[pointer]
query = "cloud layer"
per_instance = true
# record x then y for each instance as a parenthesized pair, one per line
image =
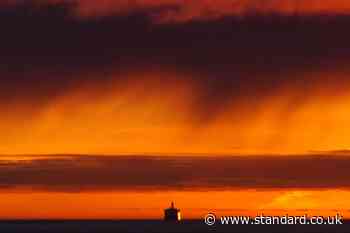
(225, 57)
(70, 83)
(181, 11)
(96, 173)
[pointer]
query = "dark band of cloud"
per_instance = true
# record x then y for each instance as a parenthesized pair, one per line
(96, 173)
(181, 11)
(229, 58)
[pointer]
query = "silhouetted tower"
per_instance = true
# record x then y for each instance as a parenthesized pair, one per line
(172, 213)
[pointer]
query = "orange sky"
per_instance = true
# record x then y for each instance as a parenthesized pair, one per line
(42, 194)
(141, 205)
(172, 96)
(288, 107)
(158, 117)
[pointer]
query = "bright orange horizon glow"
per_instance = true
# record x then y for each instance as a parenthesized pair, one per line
(150, 205)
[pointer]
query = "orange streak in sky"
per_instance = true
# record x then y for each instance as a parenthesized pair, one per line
(159, 117)
(150, 205)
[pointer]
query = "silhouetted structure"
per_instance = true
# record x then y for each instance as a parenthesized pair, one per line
(172, 214)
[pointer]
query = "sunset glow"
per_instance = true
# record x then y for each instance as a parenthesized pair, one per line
(131, 205)
(112, 109)
(159, 117)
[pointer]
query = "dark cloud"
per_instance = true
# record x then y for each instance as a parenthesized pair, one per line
(180, 11)
(46, 51)
(96, 173)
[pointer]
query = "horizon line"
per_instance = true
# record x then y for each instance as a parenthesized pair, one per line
(343, 152)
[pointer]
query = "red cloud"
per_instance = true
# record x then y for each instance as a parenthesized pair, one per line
(184, 10)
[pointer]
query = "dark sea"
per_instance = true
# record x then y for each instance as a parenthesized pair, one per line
(154, 226)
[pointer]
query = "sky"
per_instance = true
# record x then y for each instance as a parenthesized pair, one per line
(132, 100)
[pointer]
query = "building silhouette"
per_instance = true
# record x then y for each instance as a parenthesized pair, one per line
(172, 213)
